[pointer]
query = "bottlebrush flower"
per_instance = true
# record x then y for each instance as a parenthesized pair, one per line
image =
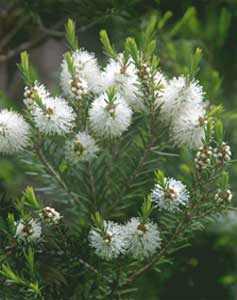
(110, 243)
(53, 116)
(188, 128)
(142, 239)
(88, 74)
(124, 78)
(81, 148)
(222, 153)
(170, 197)
(14, 132)
(28, 231)
(110, 118)
(223, 197)
(50, 215)
(29, 94)
(178, 94)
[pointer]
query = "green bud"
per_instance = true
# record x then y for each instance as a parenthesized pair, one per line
(109, 50)
(71, 35)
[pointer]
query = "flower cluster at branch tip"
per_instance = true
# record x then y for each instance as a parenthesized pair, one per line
(137, 238)
(223, 197)
(54, 117)
(222, 153)
(81, 148)
(184, 108)
(143, 239)
(170, 197)
(88, 75)
(30, 93)
(50, 216)
(110, 118)
(30, 231)
(203, 157)
(109, 243)
(14, 132)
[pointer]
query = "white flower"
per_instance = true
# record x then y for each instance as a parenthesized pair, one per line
(81, 148)
(110, 119)
(143, 239)
(88, 75)
(170, 197)
(203, 157)
(29, 94)
(28, 232)
(188, 128)
(223, 197)
(14, 132)
(124, 78)
(222, 153)
(54, 117)
(50, 215)
(177, 94)
(110, 243)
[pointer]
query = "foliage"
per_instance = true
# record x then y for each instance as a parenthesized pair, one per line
(115, 184)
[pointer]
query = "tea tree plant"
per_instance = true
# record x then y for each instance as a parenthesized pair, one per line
(100, 152)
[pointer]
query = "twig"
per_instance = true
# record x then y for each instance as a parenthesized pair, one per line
(94, 270)
(54, 173)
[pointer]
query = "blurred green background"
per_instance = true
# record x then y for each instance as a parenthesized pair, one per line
(208, 269)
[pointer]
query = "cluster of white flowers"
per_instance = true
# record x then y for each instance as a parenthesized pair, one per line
(30, 93)
(124, 77)
(110, 242)
(170, 197)
(142, 239)
(137, 238)
(14, 132)
(54, 117)
(31, 231)
(88, 75)
(223, 197)
(203, 157)
(222, 153)
(184, 109)
(110, 119)
(81, 148)
(206, 154)
(180, 100)
(50, 215)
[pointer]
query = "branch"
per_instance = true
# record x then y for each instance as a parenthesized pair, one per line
(54, 173)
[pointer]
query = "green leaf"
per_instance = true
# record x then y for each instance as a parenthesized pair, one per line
(160, 176)
(70, 64)
(195, 61)
(11, 275)
(71, 35)
(30, 259)
(107, 45)
(133, 50)
(30, 198)
(164, 19)
(224, 180)
(219, 131)
(189, 14)
(26, 70)
(98, 220)
(147, 208)
(208, 130)
(216, 110)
